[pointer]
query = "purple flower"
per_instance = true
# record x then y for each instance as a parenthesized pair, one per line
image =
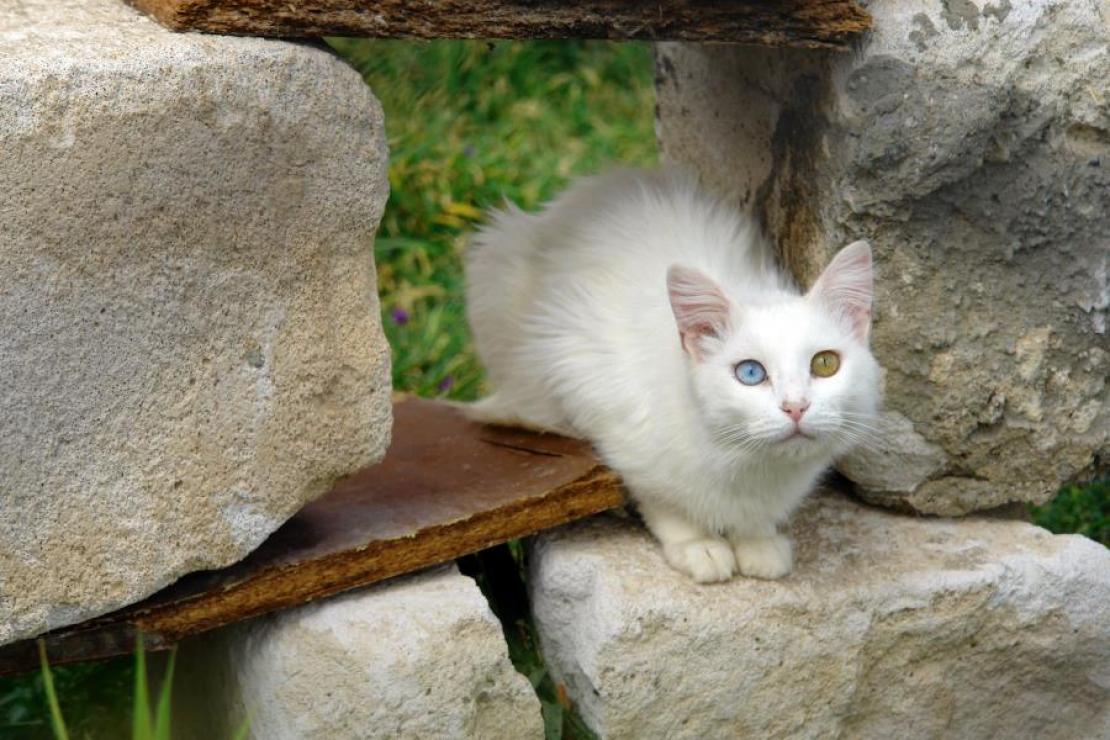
(446, 384)
(400, 316)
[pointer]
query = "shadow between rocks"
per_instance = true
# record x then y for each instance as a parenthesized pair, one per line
(501, 574)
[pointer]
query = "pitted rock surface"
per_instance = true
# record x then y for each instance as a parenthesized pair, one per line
(190, 346)
(889, 626)
(970, 144)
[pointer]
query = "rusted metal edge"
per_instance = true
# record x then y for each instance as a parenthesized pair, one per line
(826, 24)
(277, 588)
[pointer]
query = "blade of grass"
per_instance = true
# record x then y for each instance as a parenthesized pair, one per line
(241, 733)
(57, 721)
(140, 712)
(162, 714)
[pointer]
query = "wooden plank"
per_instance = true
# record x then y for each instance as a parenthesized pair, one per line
(832, 24)
(446, 488)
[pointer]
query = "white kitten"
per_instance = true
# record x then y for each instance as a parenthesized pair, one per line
(638, 313)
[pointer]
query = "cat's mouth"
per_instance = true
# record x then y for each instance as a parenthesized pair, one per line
(796, 434)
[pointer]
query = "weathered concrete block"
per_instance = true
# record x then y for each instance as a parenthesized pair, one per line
(889, 626)
(190, 346)
(419, 657)
(971, 147)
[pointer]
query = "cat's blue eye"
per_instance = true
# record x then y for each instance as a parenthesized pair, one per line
(750, 372)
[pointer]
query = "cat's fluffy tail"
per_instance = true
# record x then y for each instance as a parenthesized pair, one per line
(493, 409)
(500, 285)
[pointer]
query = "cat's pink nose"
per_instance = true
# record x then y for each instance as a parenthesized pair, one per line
(795, 409)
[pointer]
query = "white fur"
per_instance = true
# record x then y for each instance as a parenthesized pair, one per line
(572, 317)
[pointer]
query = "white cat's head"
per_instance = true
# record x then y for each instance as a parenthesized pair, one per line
(783, 374)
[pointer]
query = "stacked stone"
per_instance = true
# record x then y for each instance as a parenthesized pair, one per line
(417, 657)
(970, 146)
(190, 345)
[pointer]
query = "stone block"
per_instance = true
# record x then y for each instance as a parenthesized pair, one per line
(971, 146)
(890, 626)
(191, 346)
(418, 657)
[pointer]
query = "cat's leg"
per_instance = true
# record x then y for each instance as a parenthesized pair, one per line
(763, 552)
(688, 548)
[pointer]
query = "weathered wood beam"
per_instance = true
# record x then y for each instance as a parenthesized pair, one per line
(806, 23)
(446, 488)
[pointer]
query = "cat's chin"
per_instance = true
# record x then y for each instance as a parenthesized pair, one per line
(799, 444)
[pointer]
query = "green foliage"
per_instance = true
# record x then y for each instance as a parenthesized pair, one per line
(95, 697)
(145, 725)
(140, 708)
(57, 723)
(1078, 509)
(470, 124)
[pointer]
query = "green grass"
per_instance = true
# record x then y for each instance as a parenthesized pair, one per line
(95, 699)
(57, 721)
(1081, 510)
(470, 124)
(147, 722)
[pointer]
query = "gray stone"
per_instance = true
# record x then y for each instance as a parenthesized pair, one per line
(418, 657)
(191, 346)
(897, 460)
(890, 626)
(971, 147)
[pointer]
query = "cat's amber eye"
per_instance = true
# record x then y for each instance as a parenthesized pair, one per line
(824, 364)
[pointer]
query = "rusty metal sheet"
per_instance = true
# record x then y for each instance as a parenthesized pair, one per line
(827, 24)
(446, 488)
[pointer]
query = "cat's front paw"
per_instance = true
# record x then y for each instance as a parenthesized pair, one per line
(766, 557)
(706, 560)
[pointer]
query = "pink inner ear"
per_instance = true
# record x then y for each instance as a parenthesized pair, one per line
(846, 287)
(699, 305)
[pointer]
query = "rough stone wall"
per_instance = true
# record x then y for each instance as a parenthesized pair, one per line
(970, 144)
(190, 346)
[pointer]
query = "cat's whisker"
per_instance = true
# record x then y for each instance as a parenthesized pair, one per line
(861, 426)
(741, 440)
(860, 437)
(863, 423)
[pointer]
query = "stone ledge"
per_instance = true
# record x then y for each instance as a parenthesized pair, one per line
(889, 627)
(418, 657)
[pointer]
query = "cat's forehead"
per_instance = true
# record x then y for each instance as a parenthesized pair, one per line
(793, 324)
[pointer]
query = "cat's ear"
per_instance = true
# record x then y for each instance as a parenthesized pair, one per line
(846, 287)
(700, 307)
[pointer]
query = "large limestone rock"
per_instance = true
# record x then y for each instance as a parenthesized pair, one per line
(416, 658)
(890, 626)
(189, 337)
(970, 144)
